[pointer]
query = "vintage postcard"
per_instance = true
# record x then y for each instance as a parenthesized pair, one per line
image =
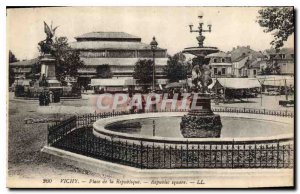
(150, 97)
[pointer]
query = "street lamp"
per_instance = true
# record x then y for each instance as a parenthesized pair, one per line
(153, 45)
(200, 30)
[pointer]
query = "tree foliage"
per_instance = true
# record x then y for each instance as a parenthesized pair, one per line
(143, 72)
(271, 69)
(35, 71)
(280, 21)
(67, 59)
(177, 68)
(11, 76)
(11, 57)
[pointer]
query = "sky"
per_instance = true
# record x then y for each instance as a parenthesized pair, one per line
(231, 26)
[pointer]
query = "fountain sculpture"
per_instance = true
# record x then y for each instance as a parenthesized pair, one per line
(201, 122)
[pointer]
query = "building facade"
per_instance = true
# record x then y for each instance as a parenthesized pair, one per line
(220, 64)
(284, 58)
(117, 50)
(246, 62)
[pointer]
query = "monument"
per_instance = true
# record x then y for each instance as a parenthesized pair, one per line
(201, 122)
(48, 62)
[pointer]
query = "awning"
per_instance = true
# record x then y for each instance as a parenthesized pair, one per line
(162, 81)
(276, 80)
(278, 83)
(22, 82)
(238, 83)
(120, 61)
(176, 85)
(113, 82)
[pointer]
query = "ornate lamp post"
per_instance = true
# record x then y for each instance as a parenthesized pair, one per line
(200, 30)
(153, 45)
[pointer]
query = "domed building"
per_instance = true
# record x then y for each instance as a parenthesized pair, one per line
(115, 52)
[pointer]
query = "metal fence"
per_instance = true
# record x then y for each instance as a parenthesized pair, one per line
(282, 113)
(60, 130)
(75, 135)
(87, 119)
(152, 155)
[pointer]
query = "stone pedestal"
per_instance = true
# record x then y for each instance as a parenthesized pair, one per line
(48, 69)
(201, 122)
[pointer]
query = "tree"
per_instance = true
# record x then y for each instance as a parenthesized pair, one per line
(143, 72)
(67, 59)
(177, 68)
(11, 59)
(271, 69)
(104, 71)
(11, 78)
(279, 20)
(35, 71)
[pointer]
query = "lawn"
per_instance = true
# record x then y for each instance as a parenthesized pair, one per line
(25, 141)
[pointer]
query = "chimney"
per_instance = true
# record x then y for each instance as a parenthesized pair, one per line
(248, 47)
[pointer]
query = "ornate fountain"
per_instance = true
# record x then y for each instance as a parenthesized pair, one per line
(201, 122)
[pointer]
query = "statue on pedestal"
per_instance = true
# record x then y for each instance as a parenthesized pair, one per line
(46, 46)
(48, 61)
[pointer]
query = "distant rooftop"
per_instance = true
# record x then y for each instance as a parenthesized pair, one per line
(110, 45)
(281, 51)
(108, 36)
(218, 54)
(29, 62)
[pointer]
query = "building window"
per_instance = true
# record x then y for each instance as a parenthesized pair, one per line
(223, 71)
(254, 72)
(215, 71)
(215, 60)
(282, 56)
(223, 60)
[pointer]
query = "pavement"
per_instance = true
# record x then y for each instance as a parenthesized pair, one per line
(25, 141)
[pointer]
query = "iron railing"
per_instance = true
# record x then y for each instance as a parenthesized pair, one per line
(75, 135)
(151, 155)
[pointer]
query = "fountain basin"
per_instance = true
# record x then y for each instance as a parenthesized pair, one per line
(286, 124)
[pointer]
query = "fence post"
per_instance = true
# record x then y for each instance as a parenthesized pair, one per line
(141, 149)
(277, 153)
(232, 154)
(153, 150)
(187, 153)
(289, 155)
(164, 156)
(170, 156)
(112, 147)
(204, 155)
(147, 154)
(48, 140)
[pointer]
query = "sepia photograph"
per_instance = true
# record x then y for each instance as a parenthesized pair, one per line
(150, 97)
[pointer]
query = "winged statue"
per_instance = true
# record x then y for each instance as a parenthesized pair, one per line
(46, 46)
(50, 32)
